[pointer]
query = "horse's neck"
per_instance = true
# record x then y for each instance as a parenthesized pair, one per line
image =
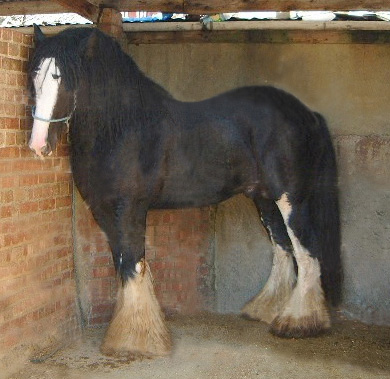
(100, 116)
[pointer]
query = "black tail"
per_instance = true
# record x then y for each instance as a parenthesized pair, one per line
(324, 209)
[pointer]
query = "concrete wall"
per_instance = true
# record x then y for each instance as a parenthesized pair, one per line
(349, 85)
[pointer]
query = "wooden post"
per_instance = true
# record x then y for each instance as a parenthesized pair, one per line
(110, 22)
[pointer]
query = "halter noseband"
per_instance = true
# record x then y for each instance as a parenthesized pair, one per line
(63, 119)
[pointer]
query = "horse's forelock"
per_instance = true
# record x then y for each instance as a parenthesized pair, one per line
(67, 48)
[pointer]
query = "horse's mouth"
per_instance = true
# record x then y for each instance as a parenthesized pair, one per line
(45, 151)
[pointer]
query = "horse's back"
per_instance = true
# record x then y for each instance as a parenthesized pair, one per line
(251, 139)
(248, 139)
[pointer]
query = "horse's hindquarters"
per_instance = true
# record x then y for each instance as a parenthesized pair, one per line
(137, 327)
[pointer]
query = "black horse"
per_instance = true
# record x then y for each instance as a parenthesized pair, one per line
(135, 148)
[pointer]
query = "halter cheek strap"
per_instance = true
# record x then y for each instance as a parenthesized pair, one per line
(63, 119)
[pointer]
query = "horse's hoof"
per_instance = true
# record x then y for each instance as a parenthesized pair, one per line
(260, 309)
(134, 353)
(263, 308)
(137, 328)
(249, 317)
(308, 326)
(135, 345)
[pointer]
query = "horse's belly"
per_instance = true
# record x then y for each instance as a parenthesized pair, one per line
(187, 202)
(186, 193)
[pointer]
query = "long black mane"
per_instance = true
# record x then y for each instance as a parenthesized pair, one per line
(116, 93)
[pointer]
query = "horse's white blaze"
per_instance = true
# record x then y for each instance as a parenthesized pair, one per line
(46, 83)
(307, 298)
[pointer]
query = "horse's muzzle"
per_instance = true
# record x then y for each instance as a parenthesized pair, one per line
(41, 152)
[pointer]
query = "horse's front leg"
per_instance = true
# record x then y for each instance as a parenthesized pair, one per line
(137, 327)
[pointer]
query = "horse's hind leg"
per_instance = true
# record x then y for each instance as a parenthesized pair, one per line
(137, 327)
(305, 313)
(268, 304)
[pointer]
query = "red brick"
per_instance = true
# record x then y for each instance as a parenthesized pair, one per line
(63, 177)
(47, 204)
(6, 35)
(27, 39)
(3, 77)
(103, 272)
(9, 152)
(10, 138)
(9, 109)
(47, 177)
(3, 48)
(29, 207)
(24, 52)
(28, 180)
(63, 202)
(17, 37)
(101, 261)
(7, 211)
(11, 64)
(21, 81)
(9, 123)
(13, 50)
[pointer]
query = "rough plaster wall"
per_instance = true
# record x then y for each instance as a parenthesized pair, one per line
(364, 162)
(349, 85)
(243, 255)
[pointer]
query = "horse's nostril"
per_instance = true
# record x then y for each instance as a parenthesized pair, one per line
(46, 150)
(39, 151)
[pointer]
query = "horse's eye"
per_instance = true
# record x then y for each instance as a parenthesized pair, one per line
(55, 76)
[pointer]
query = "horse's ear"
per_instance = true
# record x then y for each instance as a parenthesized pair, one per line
(38, 34)
(90, 48)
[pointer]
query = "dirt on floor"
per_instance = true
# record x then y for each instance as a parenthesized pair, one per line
(227, 346)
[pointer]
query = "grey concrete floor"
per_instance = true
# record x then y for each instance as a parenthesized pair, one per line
(220, 346)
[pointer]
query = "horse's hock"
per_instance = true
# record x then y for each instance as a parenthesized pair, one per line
(55, 267)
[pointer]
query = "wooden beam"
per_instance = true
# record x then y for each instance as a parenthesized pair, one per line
(280, 32)
(110, 22)
(257, 25)
(90, 9)
(82, 7)
(158, 27)
(340, 32)
(262, 36)
(232, 6)
(219, 6)
(30, 7)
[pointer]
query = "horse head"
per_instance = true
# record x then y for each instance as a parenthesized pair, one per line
(54, 94)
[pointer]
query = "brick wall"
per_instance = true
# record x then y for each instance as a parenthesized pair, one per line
(37, 291)
(178, 249)
(94, 267)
